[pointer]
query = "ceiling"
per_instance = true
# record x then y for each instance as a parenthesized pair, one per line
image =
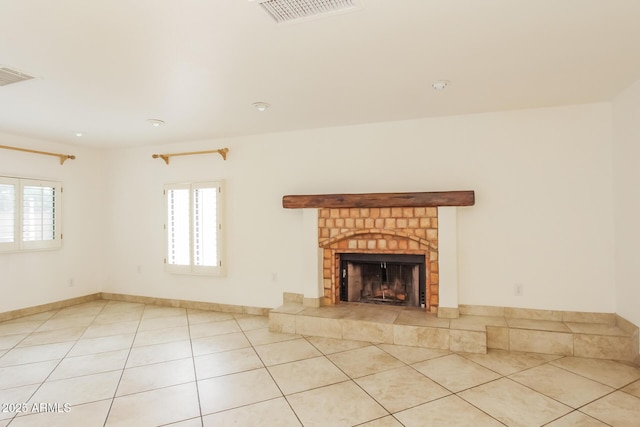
(103, 67)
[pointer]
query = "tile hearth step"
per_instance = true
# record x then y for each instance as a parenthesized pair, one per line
(378, 324)
(580, 339)
(617, 340)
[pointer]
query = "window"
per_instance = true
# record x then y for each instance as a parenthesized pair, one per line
(194, 228)
(29, 215)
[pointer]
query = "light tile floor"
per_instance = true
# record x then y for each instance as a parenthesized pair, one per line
(108, 363)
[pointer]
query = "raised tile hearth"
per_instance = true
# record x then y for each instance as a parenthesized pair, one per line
(590, 335)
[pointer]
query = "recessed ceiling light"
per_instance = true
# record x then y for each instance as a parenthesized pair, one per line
(79, 134)
(155, 122)
(440, 84)
(261, 106)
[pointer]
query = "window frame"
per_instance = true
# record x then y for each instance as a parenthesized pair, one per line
(192, 268)
(19, 244)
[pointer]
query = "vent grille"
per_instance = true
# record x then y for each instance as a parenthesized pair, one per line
(295, 10)
(8, 76)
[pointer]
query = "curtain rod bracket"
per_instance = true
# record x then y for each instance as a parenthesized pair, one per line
(162, 156)
(65, 157)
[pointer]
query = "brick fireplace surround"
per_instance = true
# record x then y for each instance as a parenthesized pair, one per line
(391, 230)
(379, 223)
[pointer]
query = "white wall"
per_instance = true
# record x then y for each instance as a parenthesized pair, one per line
(33, 278)
(543, 215)
(626, 166)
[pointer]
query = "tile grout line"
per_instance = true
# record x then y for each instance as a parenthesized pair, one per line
(452, 393)
(557, 400)
(585, 377)
(507, 377)
(352, 380)
(195, 372)
(38, 327)
(376, 345)
(115, 392)
(253, 347)
(59, 362)
(580, 412)
(482, 410)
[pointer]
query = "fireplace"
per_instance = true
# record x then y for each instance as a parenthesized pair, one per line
(387, 279)
(379, 231)
(396, 224)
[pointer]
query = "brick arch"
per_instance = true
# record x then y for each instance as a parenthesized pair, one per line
(378, 230)
(376, 234)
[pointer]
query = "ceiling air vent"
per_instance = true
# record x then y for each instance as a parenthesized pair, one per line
(296, 10)
(8, 76)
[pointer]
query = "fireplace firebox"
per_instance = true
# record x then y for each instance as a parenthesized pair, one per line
(390, 279)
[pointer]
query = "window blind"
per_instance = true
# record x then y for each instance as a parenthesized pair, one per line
(30, 214)
(193, 228)
(38, 213)
(178, 227)
(205, 222)
(7, 213)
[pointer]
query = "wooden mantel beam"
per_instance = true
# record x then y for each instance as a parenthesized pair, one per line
(380, 200)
